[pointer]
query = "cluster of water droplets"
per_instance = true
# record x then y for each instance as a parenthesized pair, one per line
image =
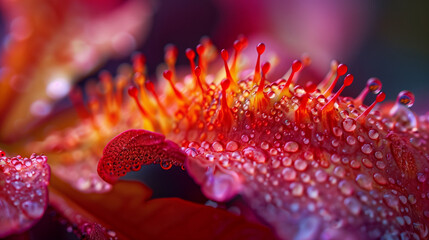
(23, 191)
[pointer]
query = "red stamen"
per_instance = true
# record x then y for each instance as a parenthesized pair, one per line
(348, 80)
(151, 88)
(190, 54)
(341, 70)
(296, 66)
(380, 98)
(132, 91)
(265, 68)
(168, 75)
(139, 62)
(224, 54)
(374, 85)
(197, 72)
(326, 81)
(260, 49)
(170, 58)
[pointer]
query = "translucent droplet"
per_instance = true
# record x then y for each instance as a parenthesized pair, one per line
(320, 176)
(380, 179)
(346, 187)
(32, 209)
(291, 147)
(297, 189)
(374, 85)
(364, 181)
(217, 146)
(231, 146)
(349, 125)
(300, 165)
(353, 205)
(289, 174)
(406, 98)
(366, 148)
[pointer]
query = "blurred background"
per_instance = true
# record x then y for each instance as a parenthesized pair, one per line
(48, 46)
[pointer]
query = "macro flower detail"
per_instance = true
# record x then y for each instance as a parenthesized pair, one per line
(23, 192)
(309, 162)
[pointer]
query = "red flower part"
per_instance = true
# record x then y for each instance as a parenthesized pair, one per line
(23, 192)
(309, 162)
(134, 148)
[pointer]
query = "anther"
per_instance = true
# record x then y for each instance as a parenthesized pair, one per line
(260, 49)
(380, 98)
(296, 66)
(225, 56)
(168, 75)
(348, 80)
(133, 92)
(341, 70)
(197, 72)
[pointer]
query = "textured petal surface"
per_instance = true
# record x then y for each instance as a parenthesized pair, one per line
(23, 192)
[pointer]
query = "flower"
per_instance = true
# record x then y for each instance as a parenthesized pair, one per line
(290, 149)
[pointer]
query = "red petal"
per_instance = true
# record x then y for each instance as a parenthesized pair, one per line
(134, 148)
(23, 192)
(126, 211)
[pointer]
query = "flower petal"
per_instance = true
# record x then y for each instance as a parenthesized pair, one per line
(134, 148)
(23, 192)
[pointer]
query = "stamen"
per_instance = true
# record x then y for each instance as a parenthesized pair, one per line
(133, 92)
(380, 98)
(323, 85)
(224, 54)
(296, 66)
(239, 45)
(170, 59)
(201, 60)
(260, 49)
(265, 68)
(374, 85)
(151, 88)
(197, 72)
(341, 70)
(168, 75)
(139, 62)
(76, 98)
(190, 54)
(348, 80)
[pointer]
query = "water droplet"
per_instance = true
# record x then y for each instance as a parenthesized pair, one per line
(249, 168)
(312, 192)
(217, 146)
(287, 161)
(300, 165)
(297, 189)
(289, 174)
(244, 138)
(231, 146)
(351, 140)
(337, 131)
(366, 148)
(321, 176)
(391, 201)
(254, 154)
(32, 209)
(335, 158)
(345, 187)
(367, 163)
(380, 179)
(373, 134)
(166, 164)
(421, 177)
(291, 147)
(406, 98)
(339, 172)
(353, 205)
(265, 145)
(349, 125)
(364, 181)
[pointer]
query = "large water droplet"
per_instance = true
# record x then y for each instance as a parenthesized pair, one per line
(345, 187)
(353, 205)
(364, 181)
(32, 209)
(289, 174)
(291, 147)
(406, 98)
(349, 125)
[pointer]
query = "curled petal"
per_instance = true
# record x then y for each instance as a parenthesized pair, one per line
(134, 148)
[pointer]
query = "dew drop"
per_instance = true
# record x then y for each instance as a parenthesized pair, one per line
(217, 146)
(345, 187)
(380, 179)
(291, 147)
(364, 181)
(353, 205)
(32, 209)
(406, 98)
(366, 148)
(300, 165)
(231, 146)
(289, 174)
(297, 189)
(320, 176)
(349, 125)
